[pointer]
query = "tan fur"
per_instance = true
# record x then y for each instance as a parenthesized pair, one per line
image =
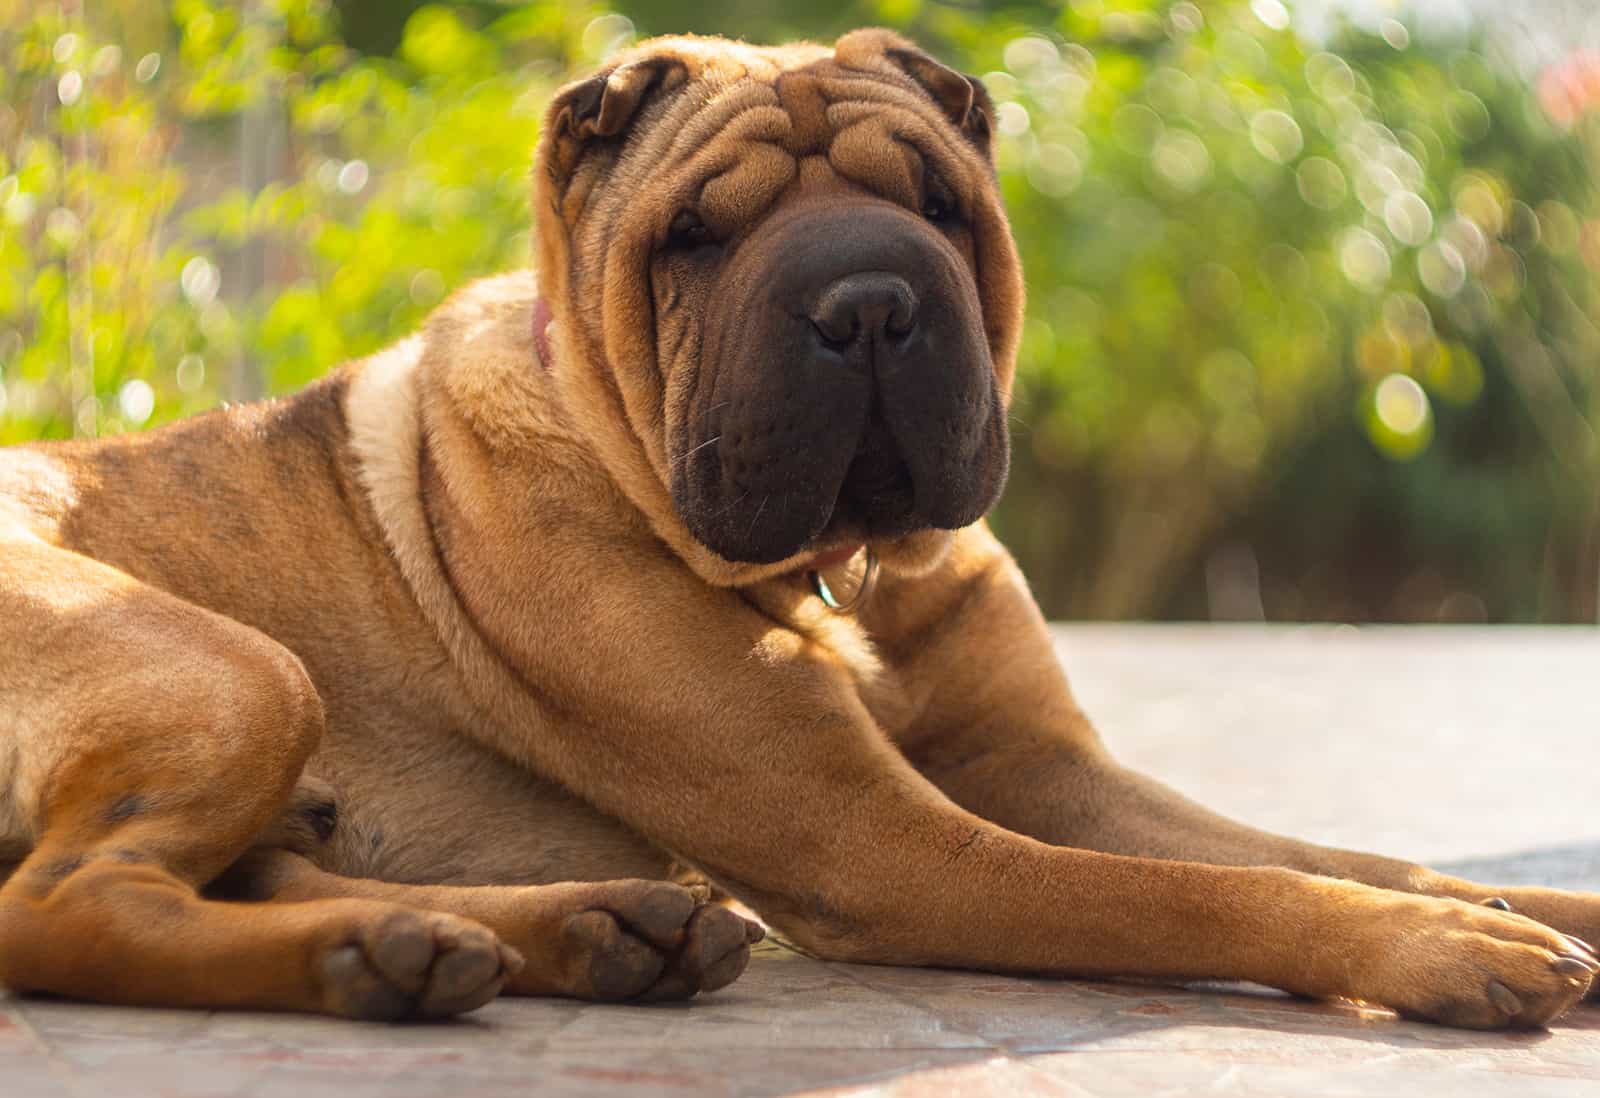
(418, 643)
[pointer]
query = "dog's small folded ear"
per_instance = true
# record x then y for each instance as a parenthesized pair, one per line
(604, 105)
(964, 99)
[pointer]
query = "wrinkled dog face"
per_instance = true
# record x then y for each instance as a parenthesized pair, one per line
(824, 290)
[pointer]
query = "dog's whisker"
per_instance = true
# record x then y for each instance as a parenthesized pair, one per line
(757, 517)
(731, 505)
(687, 454)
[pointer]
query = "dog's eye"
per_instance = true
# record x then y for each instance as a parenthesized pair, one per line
(688, 231)
(938, 206)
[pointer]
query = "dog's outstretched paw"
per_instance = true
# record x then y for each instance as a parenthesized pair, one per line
(652, 941)
(414, 964)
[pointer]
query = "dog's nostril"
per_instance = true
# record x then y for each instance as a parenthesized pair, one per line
(866, 306)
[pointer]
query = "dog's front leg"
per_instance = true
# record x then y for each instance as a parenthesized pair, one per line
(1000, 734)
(741, 744)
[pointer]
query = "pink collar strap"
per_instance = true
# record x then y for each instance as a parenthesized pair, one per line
(542, 316)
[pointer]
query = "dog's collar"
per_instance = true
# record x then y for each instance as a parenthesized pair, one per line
(542, 316)
(869, 580)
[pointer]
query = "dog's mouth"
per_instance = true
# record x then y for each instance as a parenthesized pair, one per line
(876, 501)
(873, 497)
(878, 496)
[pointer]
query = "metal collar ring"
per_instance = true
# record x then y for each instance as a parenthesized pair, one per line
(869, 579)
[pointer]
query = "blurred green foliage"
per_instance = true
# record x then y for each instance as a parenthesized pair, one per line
(1312, 328)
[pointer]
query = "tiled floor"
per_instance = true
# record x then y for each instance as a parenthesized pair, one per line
(1474, 749)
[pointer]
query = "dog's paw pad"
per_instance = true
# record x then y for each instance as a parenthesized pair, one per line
(655, 941)
(613, 964)
(715, 951)
(415, 965)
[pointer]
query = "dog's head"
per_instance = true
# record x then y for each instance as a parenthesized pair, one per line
(789, 272)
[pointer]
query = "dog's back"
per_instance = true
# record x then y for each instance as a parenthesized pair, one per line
(212, 508)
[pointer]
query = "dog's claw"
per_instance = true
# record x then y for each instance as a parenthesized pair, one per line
(1504, 999)
(1570, 965)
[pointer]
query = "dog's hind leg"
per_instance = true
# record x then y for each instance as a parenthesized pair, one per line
(606, 940)
(153, 741)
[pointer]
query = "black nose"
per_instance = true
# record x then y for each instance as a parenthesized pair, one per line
(869, 307)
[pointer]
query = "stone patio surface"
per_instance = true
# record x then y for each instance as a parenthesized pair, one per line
(1475, 750)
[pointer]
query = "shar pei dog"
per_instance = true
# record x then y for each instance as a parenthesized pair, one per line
(652, 578)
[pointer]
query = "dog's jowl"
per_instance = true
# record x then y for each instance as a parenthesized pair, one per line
(653, 577)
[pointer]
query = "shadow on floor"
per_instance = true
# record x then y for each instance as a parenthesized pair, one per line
(1573, 866)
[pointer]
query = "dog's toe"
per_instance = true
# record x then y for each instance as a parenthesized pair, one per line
(413, 964)
(653, 941)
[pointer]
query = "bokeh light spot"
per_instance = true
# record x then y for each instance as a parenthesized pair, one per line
(106, 60)
(1375, 182)
(1467, 239)
(1012, 119)
(1441, 269)
(1276, 136)
(1401, 404)
(1408, 319)
(65, 48)
(1030, 53)
(63, 227)
(200, 281)
(19, 208)
(1054, 169)
(69, 89)
(1181, 159)
(1321, 183)
(1395, 33)
(1272, 13)
(1400, 419)
(1363, 258)
(427, 287)
(1002, 85)
(607, 34)
(1477, 198)
(1330, 76)
(1186, 18)
(1408, 217)
(136, 401)
(352, 178)
(191, 373)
